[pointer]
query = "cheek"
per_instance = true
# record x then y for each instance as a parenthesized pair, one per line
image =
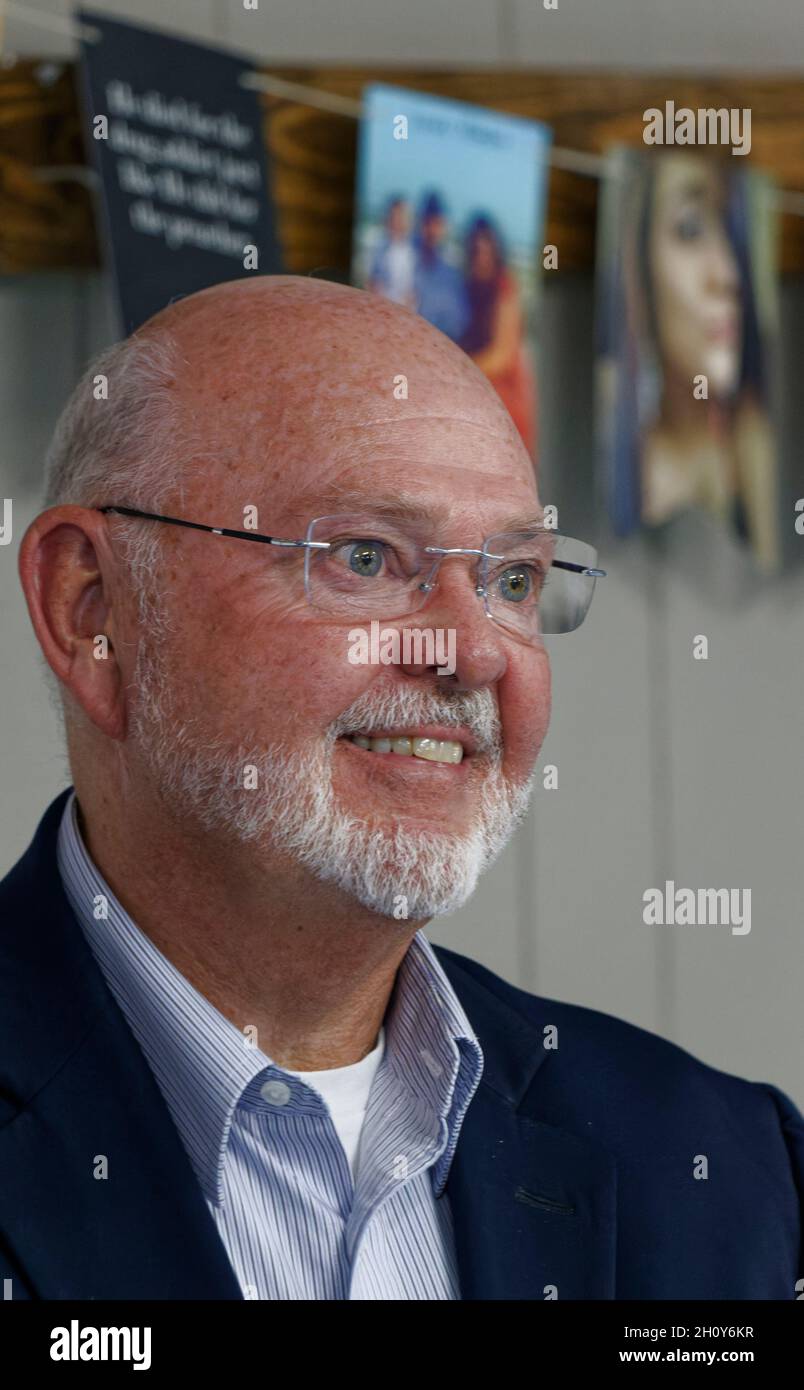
(678, 295)
(308, 669)
(525, 698)
(267, 679)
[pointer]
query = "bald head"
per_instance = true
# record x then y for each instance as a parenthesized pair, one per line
(276, 371)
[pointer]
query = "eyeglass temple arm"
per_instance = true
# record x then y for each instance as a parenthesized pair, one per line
(578, 569)
(307, 545)
(215, 530)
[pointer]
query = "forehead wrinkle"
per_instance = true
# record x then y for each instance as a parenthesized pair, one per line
(404, 506)
(439, 456)
(404, 417)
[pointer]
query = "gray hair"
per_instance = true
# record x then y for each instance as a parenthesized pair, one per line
(123, 448)
(127, 448)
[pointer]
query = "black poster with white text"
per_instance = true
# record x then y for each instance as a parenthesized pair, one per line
(182, 163)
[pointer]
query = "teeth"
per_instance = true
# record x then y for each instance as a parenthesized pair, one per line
(436, 750)
(432, 750)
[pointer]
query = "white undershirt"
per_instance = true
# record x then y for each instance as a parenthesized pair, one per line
(345, 1092)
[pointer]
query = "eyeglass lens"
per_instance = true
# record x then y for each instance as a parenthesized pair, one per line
(375, 566)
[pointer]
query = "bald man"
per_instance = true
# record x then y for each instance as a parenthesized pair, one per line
(235, 1066)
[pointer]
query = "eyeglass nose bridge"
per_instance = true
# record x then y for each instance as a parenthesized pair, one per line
(442, 551)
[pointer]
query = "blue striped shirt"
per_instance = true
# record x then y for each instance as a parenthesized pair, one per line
(294, 1220)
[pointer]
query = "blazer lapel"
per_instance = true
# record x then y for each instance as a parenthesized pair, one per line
(533, 1207)
(78, 1091)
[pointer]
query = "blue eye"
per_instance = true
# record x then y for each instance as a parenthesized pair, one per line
(516, 584)
(365, 558)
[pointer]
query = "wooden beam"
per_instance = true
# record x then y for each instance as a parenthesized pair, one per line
(313, 153)
(43, 225)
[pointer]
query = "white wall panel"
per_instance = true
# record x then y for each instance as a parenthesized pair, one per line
(365, 31)
(656, 34)
(618, 34)
(193, 18)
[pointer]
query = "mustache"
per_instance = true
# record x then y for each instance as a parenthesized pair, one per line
(475, 710)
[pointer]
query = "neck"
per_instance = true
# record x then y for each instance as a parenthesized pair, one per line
(269, 946)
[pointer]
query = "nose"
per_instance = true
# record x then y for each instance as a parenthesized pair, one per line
(456, 609)
(724, 274)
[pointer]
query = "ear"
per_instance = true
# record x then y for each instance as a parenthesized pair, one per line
(68, 572)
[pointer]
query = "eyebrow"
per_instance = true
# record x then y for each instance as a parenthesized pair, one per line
(400, 506)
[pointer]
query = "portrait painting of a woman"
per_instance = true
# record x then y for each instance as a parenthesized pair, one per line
(686, 324)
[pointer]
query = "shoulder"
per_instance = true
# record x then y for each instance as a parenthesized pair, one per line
(632, 1087)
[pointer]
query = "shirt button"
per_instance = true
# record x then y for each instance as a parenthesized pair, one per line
(275, 1092)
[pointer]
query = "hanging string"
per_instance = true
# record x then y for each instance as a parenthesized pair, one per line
(575, 161)
(588, 165)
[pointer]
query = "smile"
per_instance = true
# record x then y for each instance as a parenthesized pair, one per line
(432, 750)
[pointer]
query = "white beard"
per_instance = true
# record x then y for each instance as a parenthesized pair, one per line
(392, 870)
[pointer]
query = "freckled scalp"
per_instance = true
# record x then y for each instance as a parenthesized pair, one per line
(294, 333)
(300, 372)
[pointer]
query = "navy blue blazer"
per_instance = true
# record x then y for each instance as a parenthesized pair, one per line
(574, 1171)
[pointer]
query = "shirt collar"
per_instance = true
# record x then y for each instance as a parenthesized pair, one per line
(203, 1064)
